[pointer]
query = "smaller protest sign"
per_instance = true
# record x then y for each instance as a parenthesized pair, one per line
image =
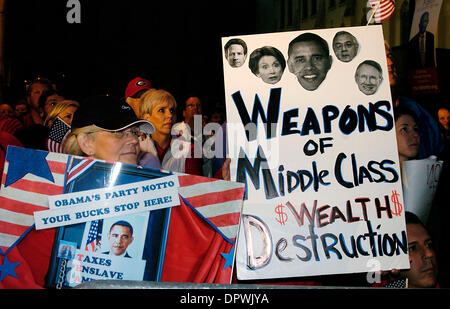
(420, 180)
(83, 206)
(87, 266)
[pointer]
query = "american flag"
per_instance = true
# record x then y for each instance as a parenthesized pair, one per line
(217, 201)
(56, 135)
(92, 236)
(382, 9)
(202, 231)
(29, 177)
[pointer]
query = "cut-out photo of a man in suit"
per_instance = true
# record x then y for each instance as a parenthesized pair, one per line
(421, 46)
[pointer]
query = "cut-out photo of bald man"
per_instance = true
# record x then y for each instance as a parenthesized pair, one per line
(368, 76)
(309, 60)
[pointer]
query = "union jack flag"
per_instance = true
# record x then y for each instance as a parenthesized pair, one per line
(77, 167)
(383, 9)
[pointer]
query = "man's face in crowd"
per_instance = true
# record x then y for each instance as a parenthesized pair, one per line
(7, 110)
(35, 92)
(423, 267)
(235, 55)
(310, 63)
(21, 109)
(193, 107)
(392, 69)
(51, 102)
(444, 117)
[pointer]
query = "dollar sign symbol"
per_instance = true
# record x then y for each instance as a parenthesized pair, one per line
(398, 207)
(282, 216)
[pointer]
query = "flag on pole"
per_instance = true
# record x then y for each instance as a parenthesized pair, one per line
(56, 135)
(381, 9)
(92, 236)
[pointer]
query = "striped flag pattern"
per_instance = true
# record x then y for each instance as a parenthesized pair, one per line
(217, 201)
(77, 167)
(383, 9)
(58, 131)
(30, 176)
(92, 236)
(19, 200)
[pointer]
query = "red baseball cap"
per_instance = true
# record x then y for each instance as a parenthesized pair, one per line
(136, 85)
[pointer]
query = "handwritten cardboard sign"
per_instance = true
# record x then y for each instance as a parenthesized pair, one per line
(420, 179)
(311, 133)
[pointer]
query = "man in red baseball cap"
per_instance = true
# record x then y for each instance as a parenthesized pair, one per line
(134, 90)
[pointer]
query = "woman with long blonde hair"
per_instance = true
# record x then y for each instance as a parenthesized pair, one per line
(64, 110)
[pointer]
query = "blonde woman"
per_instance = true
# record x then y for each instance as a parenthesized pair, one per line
(64, 110)
(161, 150)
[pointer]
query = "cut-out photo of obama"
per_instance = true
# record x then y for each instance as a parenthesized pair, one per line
(235, 52)
(120, 236)
(267, 63)
(309, 60)
(345, 46)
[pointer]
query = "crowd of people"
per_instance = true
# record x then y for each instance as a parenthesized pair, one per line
(138, 129)
(30, 121)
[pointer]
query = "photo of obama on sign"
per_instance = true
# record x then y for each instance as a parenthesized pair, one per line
(309, 60)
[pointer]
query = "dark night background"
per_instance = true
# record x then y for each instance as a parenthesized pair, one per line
(175, 44)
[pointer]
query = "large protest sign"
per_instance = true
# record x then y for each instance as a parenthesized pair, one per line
(311, 134)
